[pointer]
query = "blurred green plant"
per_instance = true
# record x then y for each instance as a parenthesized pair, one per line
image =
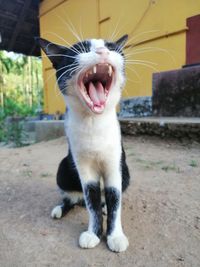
(193, 163)
(21, 94)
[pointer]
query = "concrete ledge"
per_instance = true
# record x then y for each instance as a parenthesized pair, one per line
(47, 130)
(163, 126)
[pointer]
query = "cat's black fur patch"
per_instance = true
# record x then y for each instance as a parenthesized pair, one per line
(66, 206)
(118, 45)
(64, 59)
(65, 68)
(112, 196)
(93, 200)
(125, 171)
(67, 175)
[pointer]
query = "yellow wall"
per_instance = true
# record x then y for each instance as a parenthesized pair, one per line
(157, 30)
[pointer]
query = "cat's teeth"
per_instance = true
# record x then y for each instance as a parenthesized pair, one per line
(94, 69)
(86, 74)
(109, 70)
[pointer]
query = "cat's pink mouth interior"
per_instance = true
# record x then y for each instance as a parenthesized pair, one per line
(95, 85)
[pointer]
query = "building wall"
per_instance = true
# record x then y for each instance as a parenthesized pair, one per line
(157, 30)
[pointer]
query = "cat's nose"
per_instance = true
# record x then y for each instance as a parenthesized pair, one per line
(103, 51)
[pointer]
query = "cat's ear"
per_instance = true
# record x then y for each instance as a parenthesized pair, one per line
(53, 51)
(122, 41)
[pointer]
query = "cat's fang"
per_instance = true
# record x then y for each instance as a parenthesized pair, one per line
(95, 69)
(110, 70)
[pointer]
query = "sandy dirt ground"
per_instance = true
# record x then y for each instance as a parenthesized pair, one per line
(161, 209)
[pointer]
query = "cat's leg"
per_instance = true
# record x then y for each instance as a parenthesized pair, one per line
(92, 195)
(116, 239)
(70, 199)
(69, 184)
(124, 171)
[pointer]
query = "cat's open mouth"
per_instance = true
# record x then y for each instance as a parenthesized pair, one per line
(95, 86)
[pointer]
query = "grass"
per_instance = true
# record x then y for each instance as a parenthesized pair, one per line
(171, 167)
(193, 163)
(27, 173)
(45, 174)
(148, 164)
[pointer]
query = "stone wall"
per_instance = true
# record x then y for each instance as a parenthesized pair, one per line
(163, 127)
(177, 93)
(136, 107)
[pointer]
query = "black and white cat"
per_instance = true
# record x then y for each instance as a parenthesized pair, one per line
(91, 76)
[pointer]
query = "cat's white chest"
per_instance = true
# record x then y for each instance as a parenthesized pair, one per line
(92, 137)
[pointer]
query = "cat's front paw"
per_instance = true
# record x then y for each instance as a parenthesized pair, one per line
(88, 240)
(117, 243)
(56, 212)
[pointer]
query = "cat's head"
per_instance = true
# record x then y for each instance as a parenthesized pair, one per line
(90, 72)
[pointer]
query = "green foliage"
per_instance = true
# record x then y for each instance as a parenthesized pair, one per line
(12, 108)
(5, 62)
(12, 120)
(13, 132)
(193, 163)
(21, 94)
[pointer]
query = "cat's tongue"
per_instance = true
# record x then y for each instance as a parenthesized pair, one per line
(96, 93)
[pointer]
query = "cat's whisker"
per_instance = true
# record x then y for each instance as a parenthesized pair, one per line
(73, 70)
(135, 72)
(133, 81)
(70, 46)
(62, 90)
(126, 92)
(115, 31)
(58, 36)
(53, 74)
(70, 27)
(144, 64)
(135, 37)
(59, 78)
(74, 67)
(73, 31)
(57, 55)
(150, 49)
(81, 32)
(143, 50)
(143, 61)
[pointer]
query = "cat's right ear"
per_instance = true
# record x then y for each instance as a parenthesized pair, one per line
(122, 41)
(53, 51)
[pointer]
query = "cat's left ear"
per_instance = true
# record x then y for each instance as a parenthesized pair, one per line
(53, 51)
(122, 41)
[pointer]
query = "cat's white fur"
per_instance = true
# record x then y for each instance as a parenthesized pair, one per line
(95, 140)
